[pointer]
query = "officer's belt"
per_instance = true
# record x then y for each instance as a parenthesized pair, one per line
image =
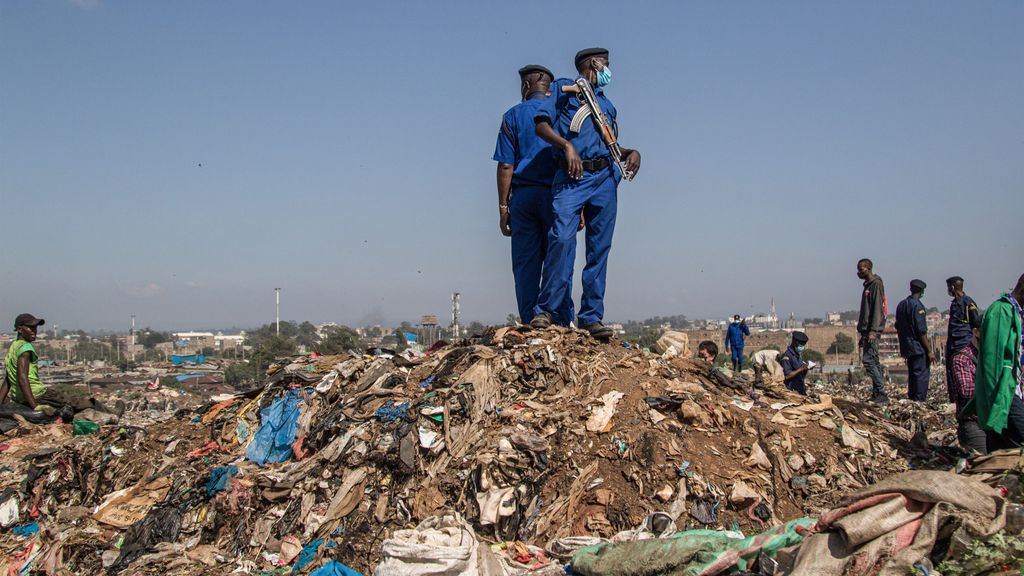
(591, 164)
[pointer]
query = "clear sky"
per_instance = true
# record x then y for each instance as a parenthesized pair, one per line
(345, 154)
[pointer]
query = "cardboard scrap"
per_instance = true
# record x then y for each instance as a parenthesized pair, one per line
(129, 505)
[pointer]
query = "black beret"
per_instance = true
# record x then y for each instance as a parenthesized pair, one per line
(587, 53)
(916, 284)
(799, 337)
(535, 68)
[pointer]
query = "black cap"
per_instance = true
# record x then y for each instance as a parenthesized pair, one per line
(28, 320)
(587, 53)
(916, 285)
(535, 68)
(799, 337)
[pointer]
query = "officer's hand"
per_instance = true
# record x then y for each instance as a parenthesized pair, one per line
(871, 338)
(505, 223)
(633, 162)
(583, 221)
(575, 165)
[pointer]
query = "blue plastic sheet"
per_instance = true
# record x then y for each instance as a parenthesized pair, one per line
(280, 423)
(307, 555)
(219, 478)
(334, 568)
(391, 412)
(26, 529)
(191, 359)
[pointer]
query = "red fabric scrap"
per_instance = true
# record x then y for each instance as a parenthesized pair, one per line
(204, 451)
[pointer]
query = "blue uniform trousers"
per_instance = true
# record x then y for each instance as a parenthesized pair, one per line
(918, 374)
(737, 356)
(597, 196)
(530, 216)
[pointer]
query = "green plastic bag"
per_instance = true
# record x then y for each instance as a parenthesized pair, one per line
(83, 427)
(690, 553)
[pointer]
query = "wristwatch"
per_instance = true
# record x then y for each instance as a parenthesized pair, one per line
(503, 207)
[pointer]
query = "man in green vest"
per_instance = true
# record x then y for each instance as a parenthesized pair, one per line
(21, 373)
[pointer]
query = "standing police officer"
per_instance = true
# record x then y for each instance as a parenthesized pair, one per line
(525, 171)
(912, 328)
(587, 179)
(963, 318)
(734, 339)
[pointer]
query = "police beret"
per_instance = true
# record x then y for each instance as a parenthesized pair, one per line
(799, 337)
(587, 53)
(916, 284)
(535, 68)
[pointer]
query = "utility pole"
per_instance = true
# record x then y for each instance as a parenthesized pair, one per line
(132, 339)
(455, 316)
(277, 314)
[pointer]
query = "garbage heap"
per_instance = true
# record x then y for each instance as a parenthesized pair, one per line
(525, 437)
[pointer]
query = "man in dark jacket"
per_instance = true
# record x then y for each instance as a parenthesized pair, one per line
(964, 318)
(870, 325)
(912, 328)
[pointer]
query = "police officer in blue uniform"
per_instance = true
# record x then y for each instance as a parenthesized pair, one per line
(963, 318)
(587, 179)
(794, 368)
(734, 340)
(526, 169)
(912, 328)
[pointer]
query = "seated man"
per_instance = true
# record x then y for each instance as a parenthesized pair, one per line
(793, 367)
(21, 374)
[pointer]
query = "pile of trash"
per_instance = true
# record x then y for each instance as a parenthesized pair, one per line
(522, 449)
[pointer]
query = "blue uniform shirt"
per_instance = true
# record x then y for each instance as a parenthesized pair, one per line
(519, 145)
(911, 324)
(963, 315)
(791, 362)
(559, 109)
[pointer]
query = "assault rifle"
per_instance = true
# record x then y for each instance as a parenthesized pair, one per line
(591, 108)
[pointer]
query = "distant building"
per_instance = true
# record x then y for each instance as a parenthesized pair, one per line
(228, 341)
(769, 321)
(194, 340)
(834, 318)
(889, 345)
(792, 323)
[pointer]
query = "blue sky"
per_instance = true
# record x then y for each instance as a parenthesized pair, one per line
(345, 153)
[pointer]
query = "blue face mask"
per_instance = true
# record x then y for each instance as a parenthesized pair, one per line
(799, 348)
(604, 77)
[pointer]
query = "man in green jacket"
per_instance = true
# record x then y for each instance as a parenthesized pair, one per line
(999, 384)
